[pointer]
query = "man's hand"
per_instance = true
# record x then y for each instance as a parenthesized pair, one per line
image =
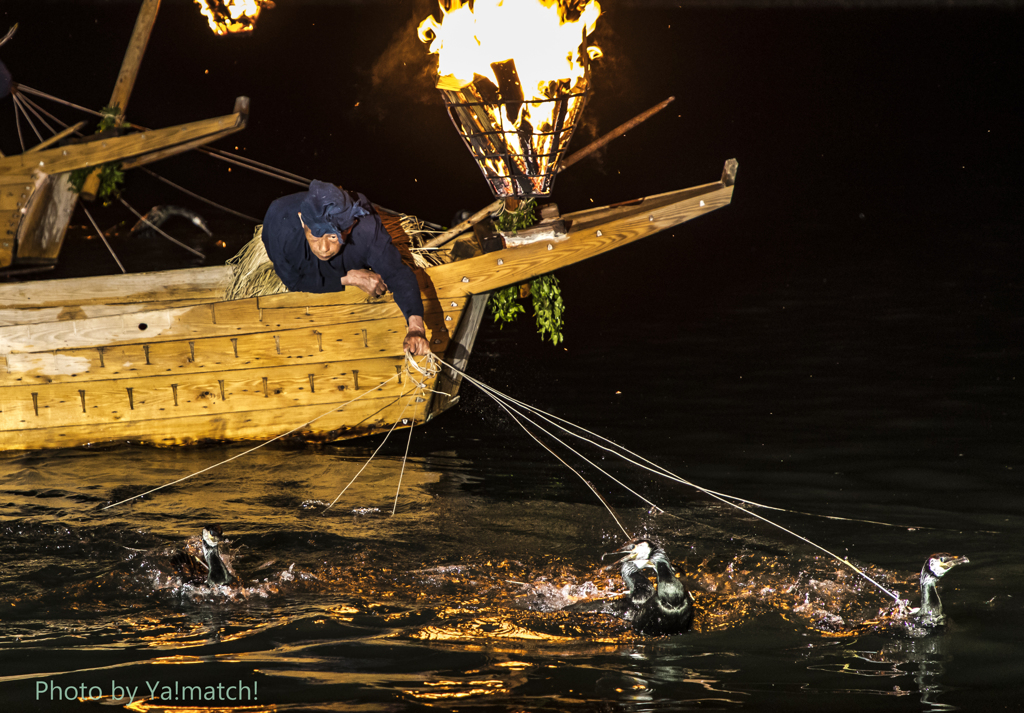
(369, 282)
(415, 338)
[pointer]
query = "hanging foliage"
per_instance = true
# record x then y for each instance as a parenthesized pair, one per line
(548, 307)
(511, 221)
(545, 290)
(505, 305)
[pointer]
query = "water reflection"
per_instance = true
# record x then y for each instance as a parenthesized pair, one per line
(478, 586)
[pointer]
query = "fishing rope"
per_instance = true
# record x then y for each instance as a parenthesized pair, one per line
(405, 457)
(429, 371)
(372, 455)
(158, 230)
(580, 455)
(589, 485)
(654, 467)
(659, 470)
(665, 473)
(254, 448)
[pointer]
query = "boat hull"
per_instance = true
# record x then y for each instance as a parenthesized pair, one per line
(159, 359)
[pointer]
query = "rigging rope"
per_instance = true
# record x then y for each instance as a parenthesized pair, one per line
(18, 104)
(220, 154)
(197, 196)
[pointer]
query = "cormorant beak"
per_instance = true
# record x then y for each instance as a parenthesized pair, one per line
(613, 565)
(951, 563)
(201, 224)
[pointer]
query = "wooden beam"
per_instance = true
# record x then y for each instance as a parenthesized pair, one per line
(204, 282)
(69, 158)
(175, 150)
(56, 137)
(464, 225)
(594, 232)
(133, 57)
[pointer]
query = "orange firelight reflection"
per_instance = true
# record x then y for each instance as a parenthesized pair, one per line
(229, 17)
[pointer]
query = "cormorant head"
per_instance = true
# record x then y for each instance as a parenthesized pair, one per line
(638, 552)
(198, 221)
(938, 564)
(213, 535)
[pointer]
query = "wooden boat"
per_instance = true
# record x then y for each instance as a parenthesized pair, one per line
(36, 200)
(161, 358)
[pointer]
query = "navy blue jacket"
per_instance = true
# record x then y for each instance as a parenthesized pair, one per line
(367, 246)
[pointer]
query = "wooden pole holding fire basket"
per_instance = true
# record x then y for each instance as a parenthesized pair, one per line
(126, 78)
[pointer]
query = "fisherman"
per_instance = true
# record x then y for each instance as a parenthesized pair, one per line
(324, 239)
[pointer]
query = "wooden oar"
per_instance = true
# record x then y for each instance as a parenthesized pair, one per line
(566, 163)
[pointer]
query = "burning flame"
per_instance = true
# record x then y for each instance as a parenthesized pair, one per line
(514, 76)
(228, 17)
(538, 35)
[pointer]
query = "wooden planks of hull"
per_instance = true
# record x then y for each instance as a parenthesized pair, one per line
(318, 343)
(361, 418)
(160, 358)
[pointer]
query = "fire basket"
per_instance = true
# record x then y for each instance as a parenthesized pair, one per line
(515, 76)
(517, 143)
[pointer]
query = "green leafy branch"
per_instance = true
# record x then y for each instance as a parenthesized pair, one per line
(505, 305)
(110, 174)
(511, 221)
(548, 307)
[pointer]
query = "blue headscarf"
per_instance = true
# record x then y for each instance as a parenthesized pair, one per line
(328, 209)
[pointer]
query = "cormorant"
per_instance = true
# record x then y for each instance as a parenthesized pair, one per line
(217, 571)
(159, 214)
(930, 612)
(211, 568)
(667, 611)
(639, 586)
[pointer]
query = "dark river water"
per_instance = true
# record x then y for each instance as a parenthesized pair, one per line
(844, 344)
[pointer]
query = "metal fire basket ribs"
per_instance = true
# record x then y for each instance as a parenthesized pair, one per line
(519, 162)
